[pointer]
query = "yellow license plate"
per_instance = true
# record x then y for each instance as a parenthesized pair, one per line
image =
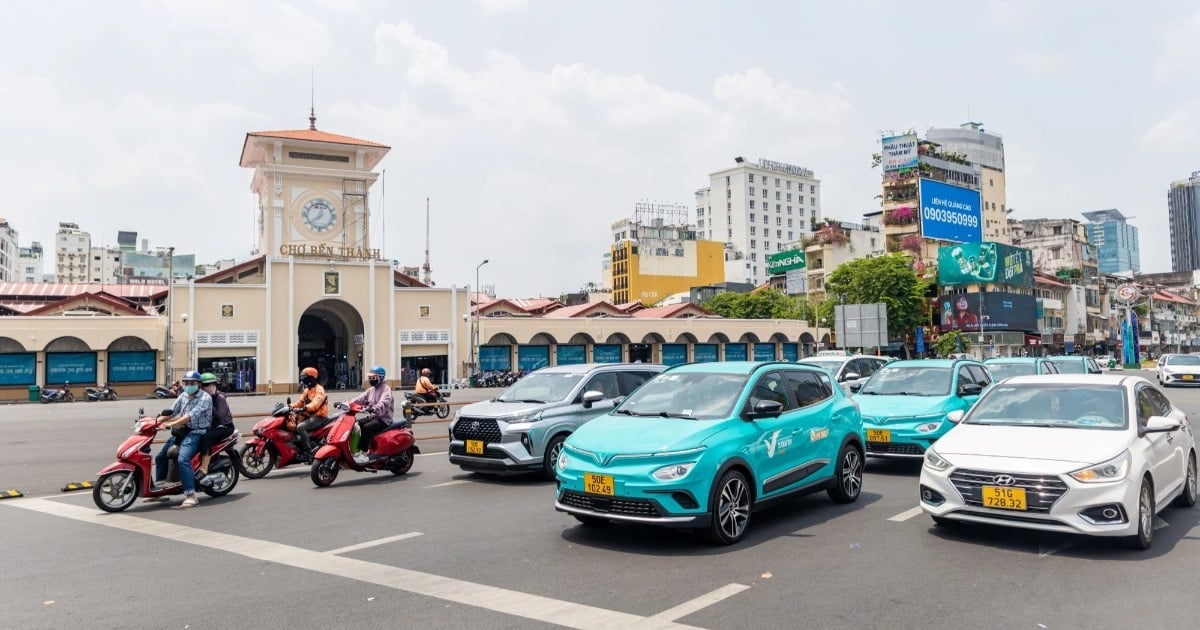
(474, 447)
(1004, 498)
(598, 484)
(1187, 377)
(879, 435)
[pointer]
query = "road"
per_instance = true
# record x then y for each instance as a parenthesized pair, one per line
(439, 548)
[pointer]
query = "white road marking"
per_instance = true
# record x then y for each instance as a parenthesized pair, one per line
(373, 543)
(448, 483)
(704, 601)
(906, 514)
(428, 454)
(1044, 551)
(501, 600)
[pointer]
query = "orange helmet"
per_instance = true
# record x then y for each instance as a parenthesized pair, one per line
(425, 372)
(309, 371)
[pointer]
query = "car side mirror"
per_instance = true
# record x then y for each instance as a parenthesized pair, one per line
(970, 389)
(955, 416)
(766, 409)
(617, 401)
(591, 398)
(1160, 424)
(850, 376)
(854, 387)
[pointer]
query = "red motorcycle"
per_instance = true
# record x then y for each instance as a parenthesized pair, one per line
(276, 443)
(132, 475)
(394, 449)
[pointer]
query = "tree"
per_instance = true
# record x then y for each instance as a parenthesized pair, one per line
(888, 279)
(948, 342)
(766, 304)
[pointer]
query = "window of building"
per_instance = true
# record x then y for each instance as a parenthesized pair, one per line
(752, 230)
(778, 207)
(812, 188)
(751, 178)
(776, 181)
(726, 180)
(812, 201)
(767, 245)
(753, 244)
(790, 237)
(779, 247)
(789, 221)
(753, 256)
(728, 220)
(778, 233)
(766, 219)
(699, 223)
(789, 197)
(789, 184)
(751, 214)
(778, 195)
(751, 191)
(730, 236)
(728, 194)
(801, 213)
(778, 221)
(751, 204)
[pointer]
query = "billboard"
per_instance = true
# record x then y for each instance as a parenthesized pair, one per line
(18, 368)
(70, 367)
(980, 263)
(131, 367)
(999, 311)
(899, 152)
(950, 213)
(784, 262)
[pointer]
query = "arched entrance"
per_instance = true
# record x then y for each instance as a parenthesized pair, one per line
(331, 340)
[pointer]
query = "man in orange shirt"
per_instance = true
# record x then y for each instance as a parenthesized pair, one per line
(315, 404)
(425, 387)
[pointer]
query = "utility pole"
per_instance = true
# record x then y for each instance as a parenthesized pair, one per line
(170, 288)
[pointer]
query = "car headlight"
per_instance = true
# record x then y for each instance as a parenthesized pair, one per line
(935, 461)
(673, 471)
(1114, 469)
(562, 460)
(929, 427)
(521, 421)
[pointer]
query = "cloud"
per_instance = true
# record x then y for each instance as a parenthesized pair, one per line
(1178, 130)
(1181, 51)
(344, 6)
(1040, 63)
(502, 6)
(1006, 14)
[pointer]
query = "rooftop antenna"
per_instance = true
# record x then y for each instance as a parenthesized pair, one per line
(426, 267)
(312, 108)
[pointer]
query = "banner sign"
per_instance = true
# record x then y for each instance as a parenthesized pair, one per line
(131, 367)
(785, 261)
(899, 152)
(764, 352)
(674, 353)
(950, 213)
(791, 352)
(704, 352)
(18, 368)
(981, 263)
(999, 311)
(530, 358)
(735, 352)
(570, 355)
(495, 358)
(70, 367)
(606, 353)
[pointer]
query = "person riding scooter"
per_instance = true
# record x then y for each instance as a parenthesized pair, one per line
(315, 404)
(377, 401)
(221, 427)
(425, 387)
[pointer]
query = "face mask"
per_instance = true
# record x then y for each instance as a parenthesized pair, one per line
(373, 381)
(191, 389)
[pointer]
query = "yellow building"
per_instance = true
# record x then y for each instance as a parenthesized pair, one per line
(656, 254)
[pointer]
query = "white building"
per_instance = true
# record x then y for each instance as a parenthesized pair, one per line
(104, 265)
(30, 263)
(986, 150)
(9, 260)
(755, 209)
(72, 253)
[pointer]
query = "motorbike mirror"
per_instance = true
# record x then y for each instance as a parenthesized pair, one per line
(289, 401)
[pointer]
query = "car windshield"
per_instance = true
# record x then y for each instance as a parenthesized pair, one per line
(832, 363)
(1001, 371)
(541, 387)
(1052, 405)
(701, 396)
(909, 380)
(1069, 365)
(1184, 359)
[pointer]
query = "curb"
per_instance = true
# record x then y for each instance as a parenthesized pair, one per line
(82, 485)
(11, 494)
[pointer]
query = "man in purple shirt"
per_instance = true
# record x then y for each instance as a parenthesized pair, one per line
(378, 403)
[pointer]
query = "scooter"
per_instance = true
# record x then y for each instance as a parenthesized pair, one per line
(58, 395)
(131, 476)
(422, 407)
(162, 391)
(92, 394)
(394, 449)
(276, 445)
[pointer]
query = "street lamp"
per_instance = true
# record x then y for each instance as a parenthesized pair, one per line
(475, 327)
(170, 286)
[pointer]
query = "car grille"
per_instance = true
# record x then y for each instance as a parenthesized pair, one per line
(1041, 491)
(484, 429)
(631, 507)
(892, 448)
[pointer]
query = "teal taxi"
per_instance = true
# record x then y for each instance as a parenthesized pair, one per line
(701, 446)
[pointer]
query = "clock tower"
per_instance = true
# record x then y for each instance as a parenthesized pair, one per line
(312, 191)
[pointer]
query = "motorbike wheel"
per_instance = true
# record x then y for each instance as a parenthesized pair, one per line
(443, 411)
(254, 466)
(45, 400)
(159, 395)
(113, 396)
(231, 479)
(324, 471)
(69, 397)
(107, 492)
(410, 456)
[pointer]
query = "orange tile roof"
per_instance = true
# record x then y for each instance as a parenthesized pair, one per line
(585, 310)
(57, 290)
(314, 135)
(664, 312)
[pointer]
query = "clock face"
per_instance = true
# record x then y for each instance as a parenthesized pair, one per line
(318, 215)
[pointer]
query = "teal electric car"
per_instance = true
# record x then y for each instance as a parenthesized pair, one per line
(904, 404)
(701, 445)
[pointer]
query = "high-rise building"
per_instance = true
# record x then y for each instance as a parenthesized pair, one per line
(1183, 209)
(9, 253)
(104, 265)
(657, 253)
(754, 209)
(72, 253)
(1116, 241)
(985, 149)
(30, 269)
(1061, 248)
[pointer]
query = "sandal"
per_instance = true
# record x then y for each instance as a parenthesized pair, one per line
(191, 501)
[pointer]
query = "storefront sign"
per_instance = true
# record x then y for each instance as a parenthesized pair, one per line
(569, 355)
(782, 167)
(735, 352)
(323, 250)
(131, 367)
(495, 358)
(70, 367)
(790, 352)
(674, 353)
(764, 352)
(784, 262)
(704, 352)
(606, 353)
(18, 368)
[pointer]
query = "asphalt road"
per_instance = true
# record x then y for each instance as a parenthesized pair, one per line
(439, 548)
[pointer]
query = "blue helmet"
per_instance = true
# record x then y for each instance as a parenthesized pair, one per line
(378, 371)
(191, 376)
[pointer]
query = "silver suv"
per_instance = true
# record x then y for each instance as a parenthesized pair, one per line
(522, 429)
(850, 371)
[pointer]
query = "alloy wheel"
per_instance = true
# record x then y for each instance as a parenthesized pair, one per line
(734, 507)
(852, 471)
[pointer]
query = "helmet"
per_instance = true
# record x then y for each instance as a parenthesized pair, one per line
(208, 378)
(191, 376)
(378, 371)
(425, 372)
(309, 371)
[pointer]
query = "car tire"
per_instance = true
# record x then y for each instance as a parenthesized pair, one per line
(1144, 538)
(550, 458)
(848, 475)
(729, 506)
(1187, 497)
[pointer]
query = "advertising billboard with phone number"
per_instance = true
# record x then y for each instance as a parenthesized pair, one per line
(1000, 311)
(950, 213)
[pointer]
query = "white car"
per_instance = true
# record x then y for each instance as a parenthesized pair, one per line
(1090, 454)
(1178, 369)
(848, 370)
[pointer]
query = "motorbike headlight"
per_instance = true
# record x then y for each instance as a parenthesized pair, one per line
(673, 471)
(936, 462)
(1114, 469)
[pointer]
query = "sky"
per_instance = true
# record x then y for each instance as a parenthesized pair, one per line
(533, 125)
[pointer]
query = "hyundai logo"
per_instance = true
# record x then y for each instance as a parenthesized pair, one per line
(1003, 480)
